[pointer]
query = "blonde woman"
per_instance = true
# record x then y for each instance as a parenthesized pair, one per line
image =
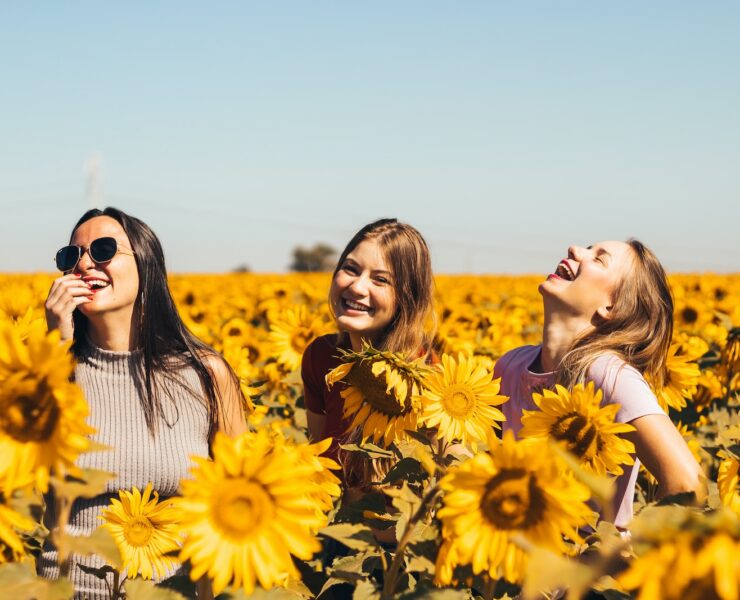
(608, 318)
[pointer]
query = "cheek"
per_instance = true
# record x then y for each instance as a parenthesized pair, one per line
(388, 301)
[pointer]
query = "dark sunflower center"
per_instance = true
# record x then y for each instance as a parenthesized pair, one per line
(578, 433)
(234, 332)
(28, 410)
(374, 390)
(513, 500)
(689, 315)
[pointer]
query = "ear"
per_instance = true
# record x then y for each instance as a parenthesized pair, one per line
(604, 312)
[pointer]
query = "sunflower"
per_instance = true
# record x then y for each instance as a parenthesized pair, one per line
(728, 481)
(145, 531)
(518, 488)
(292, 331)
(460, 398)
(238, 359)
(682, 376)
(249, 509)
(582, 425)
(731, 351)
(42, 414)
(382, 393)
(11, 522)
(685, 555)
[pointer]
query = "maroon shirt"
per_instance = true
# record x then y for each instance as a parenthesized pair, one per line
(321, 356)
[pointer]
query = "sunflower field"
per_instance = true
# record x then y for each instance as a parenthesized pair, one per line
(452, 510)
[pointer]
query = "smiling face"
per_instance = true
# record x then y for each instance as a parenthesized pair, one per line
(115, 284)
(584, 283)
(362, 294)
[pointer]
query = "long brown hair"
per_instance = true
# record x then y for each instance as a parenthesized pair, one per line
(639, 329)
(412, 328)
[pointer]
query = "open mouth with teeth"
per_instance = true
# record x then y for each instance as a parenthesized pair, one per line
(356, 306)
(564, 271)
(97, 284)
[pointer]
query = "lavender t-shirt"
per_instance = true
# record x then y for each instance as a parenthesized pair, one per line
(620, 383)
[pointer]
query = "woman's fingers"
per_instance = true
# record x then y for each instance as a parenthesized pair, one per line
(66, 294)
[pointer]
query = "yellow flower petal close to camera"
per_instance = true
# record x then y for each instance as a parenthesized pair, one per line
(517, 488)
(249, 510)
(42, 414)
(460, 398)
(145, 530)
(685, 555)
(586, 429)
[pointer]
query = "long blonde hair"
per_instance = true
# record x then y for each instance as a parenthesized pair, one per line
(640, 327)
(411, 330)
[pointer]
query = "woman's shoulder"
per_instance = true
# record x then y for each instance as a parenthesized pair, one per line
(518, 358)
(623, 384)
(609, 368)
(322, 350)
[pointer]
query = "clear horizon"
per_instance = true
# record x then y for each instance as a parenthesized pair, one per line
(503, 133)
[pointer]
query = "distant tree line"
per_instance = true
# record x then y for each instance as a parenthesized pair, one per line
(321, 257)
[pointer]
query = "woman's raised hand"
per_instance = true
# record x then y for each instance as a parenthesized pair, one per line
(66, 293)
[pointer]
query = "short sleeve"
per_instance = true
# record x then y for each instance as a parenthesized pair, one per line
(624, 385)
(313, 385)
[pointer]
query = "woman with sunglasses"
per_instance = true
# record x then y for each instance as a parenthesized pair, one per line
(157, 394)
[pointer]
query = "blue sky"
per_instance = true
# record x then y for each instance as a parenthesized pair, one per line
(503, 131)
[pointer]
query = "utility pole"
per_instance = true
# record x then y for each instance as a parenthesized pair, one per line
(93, 170)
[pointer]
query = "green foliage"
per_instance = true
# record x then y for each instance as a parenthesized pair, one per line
(321, 257)
(19, 582)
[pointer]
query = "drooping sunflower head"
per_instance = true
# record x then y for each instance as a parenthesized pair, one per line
(731, 351)
(145, 530)
(578, 421)
(42, 414)
(460, 398)
(382, 393)
(519, 488)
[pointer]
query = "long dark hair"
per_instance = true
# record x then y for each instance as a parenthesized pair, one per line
(159, 332)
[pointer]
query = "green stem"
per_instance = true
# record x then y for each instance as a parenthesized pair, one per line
(391, 576)
(489, 588)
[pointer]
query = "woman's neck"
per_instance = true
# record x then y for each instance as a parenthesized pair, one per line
(559, 333)
(356, 340)
(109, 333)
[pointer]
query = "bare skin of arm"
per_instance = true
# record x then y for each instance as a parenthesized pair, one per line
(663, 451)
(316, 425)
(231, 420)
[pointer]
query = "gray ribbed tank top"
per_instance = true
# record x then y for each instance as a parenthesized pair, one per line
(114, 391)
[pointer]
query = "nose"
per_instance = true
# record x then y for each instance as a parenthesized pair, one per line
(576, 252)
(85, 261)
(359, 285)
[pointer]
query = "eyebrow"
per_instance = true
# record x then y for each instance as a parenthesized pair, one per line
(600, 251)
(376, 271)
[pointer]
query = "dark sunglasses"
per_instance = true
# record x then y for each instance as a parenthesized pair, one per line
(101, 250)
